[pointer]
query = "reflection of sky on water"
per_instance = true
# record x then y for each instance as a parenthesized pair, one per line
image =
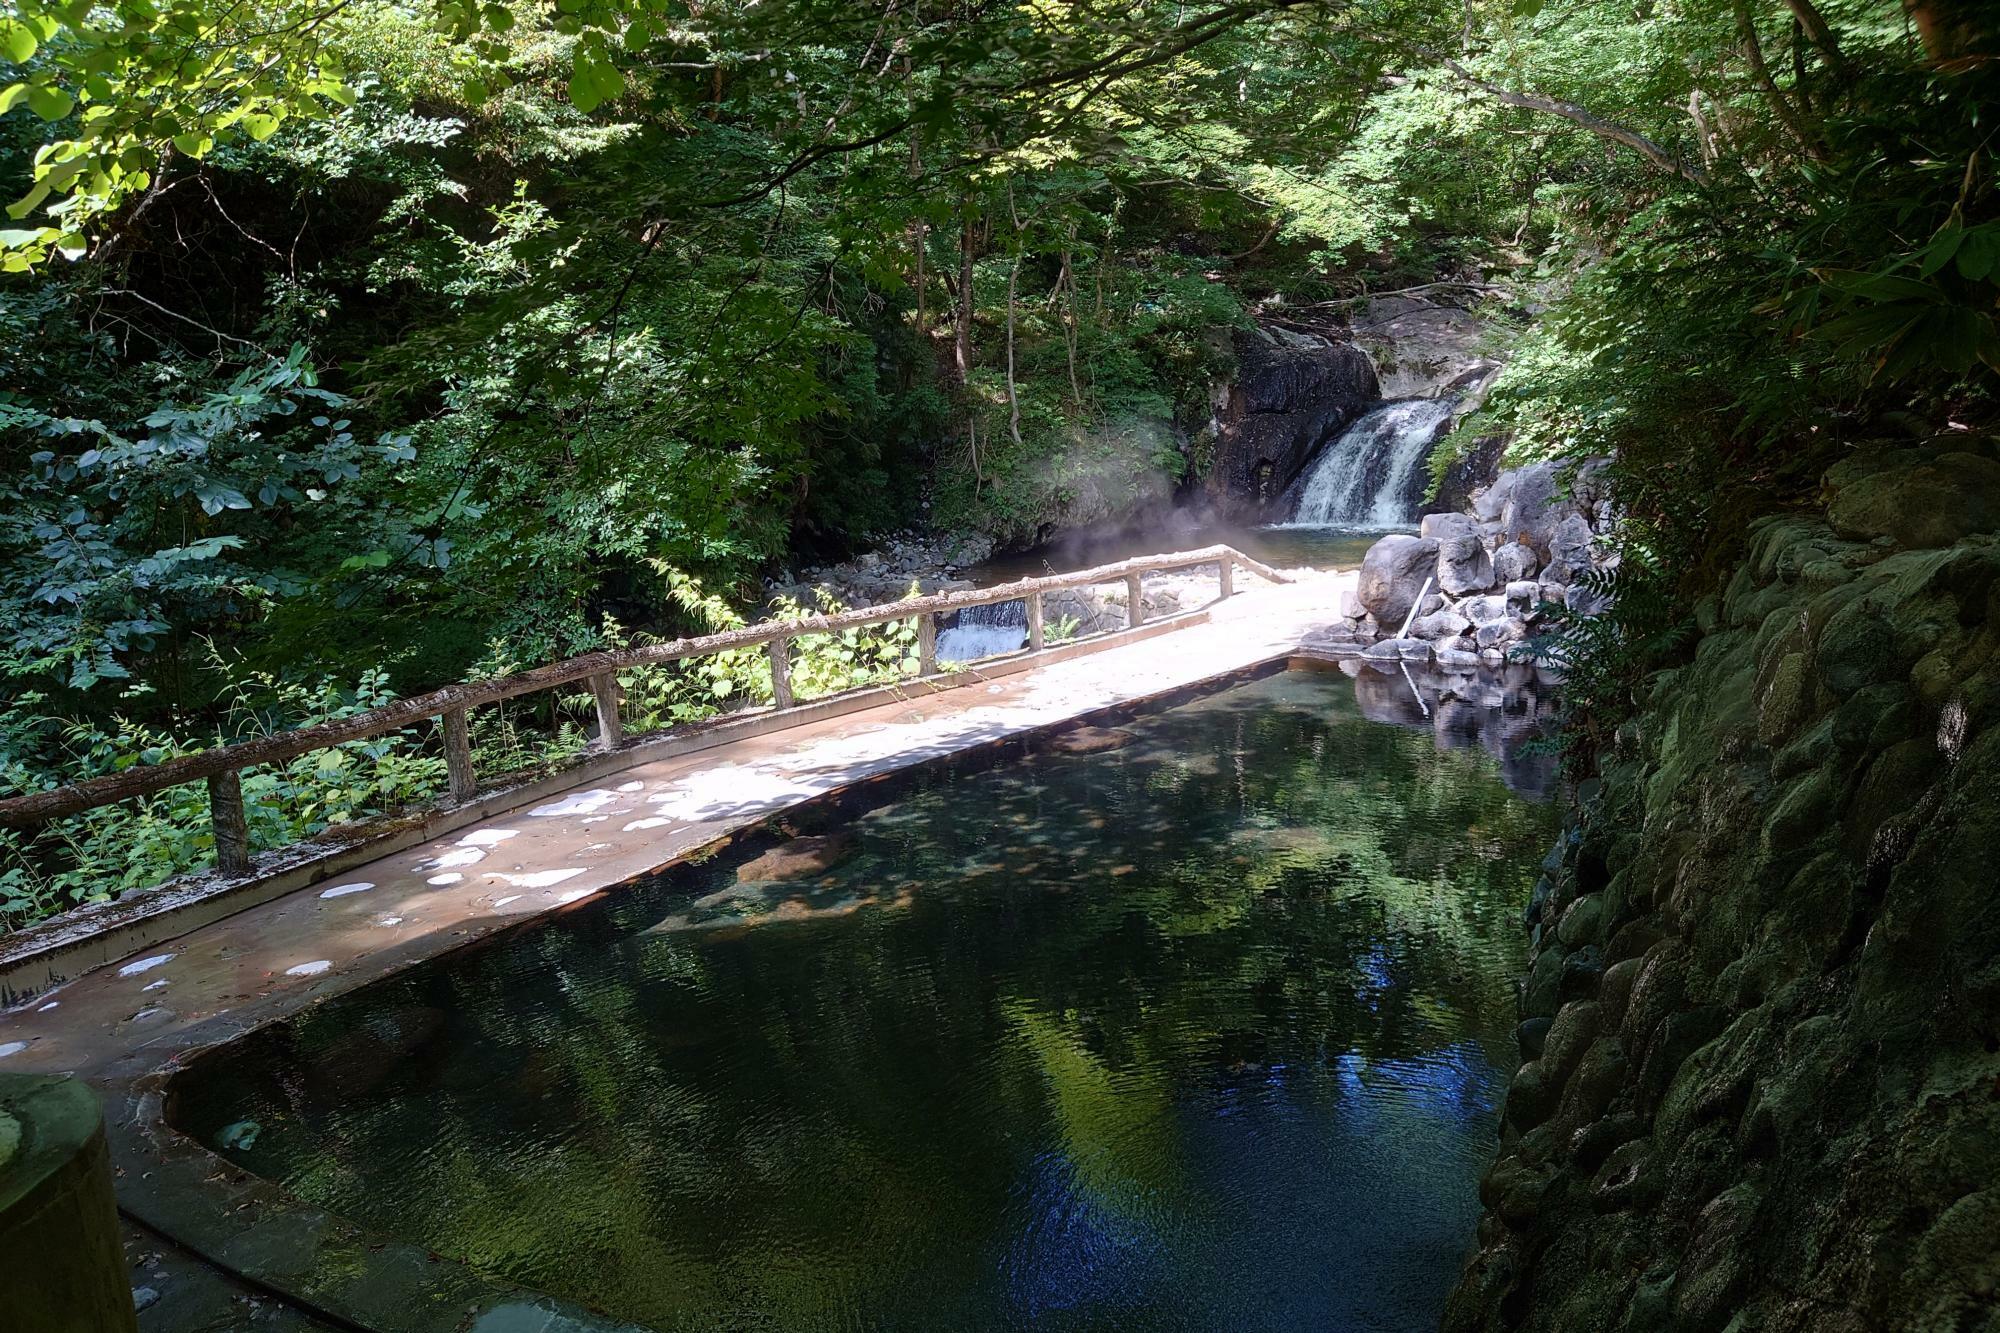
(1380, 1158)
(1074, 1253)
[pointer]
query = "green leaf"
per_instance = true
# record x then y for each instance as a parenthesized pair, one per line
(1527, 9)
(260, 126)
(1939, 252)
(18, 42)
(50, 103)
(1979, 253)
(12, 96)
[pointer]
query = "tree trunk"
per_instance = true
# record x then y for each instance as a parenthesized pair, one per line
(1760, 74)
(1013, 398)
(1068, 283)
(1954, 32)
(918, 229)
(1821, 37)
(963, 350)
(1013, 284)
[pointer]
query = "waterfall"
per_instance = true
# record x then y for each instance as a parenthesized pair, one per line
(983, 631)
(1371, 476)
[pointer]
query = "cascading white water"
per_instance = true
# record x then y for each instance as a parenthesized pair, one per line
(983, 631)
(1365, 478)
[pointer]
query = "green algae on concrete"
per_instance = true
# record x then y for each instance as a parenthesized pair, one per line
(61, 1264)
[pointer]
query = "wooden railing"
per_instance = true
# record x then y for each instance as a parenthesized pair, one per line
(222, 766)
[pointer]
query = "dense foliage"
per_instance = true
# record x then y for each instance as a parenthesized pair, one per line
(355, 347)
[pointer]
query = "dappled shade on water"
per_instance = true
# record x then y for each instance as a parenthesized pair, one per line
(1203, 1030)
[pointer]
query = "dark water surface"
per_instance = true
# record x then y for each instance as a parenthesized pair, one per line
(1205, 1032)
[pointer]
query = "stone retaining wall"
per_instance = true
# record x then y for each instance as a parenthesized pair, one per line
(1762, 1028)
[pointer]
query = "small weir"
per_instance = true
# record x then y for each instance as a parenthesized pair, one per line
(983, 631)
(1373, 476)
(1196, 1021)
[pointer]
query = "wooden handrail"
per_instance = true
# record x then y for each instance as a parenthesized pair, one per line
(221, 764)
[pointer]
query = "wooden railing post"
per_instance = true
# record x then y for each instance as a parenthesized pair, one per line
(1035, 620)
(927, 644)
(1135, 610)
(232, 827)
(458, 755)
(604, 688)
(1225, 577)
(781, 671)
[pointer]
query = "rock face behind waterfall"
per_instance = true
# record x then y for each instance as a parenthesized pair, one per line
(1291, 395)
(1423, 348)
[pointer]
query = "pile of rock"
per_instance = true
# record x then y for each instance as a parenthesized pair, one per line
(1473, 587)
(932, 564)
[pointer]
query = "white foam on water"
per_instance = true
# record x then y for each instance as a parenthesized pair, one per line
(1389, 444)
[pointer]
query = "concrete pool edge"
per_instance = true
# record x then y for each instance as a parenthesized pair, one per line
(358, 1278)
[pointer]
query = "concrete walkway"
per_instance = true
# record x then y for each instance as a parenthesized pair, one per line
(416, 903)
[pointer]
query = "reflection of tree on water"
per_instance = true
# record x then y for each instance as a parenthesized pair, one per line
(1117, 1034)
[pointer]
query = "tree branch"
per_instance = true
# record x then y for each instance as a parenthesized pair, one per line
(1580, 116)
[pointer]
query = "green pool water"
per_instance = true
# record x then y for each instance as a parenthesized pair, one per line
(1202, 1032)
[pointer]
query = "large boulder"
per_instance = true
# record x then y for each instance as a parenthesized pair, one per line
(1534, 508)
(1446, 624)
(1393, 574)
(1463, 564)
(1569, 547)
(1930, 504)
(1289, 397)
(1443, 525)
(1513, 561)
(1490, 503)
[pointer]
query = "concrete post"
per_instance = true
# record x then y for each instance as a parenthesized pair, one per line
(62, 1263)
